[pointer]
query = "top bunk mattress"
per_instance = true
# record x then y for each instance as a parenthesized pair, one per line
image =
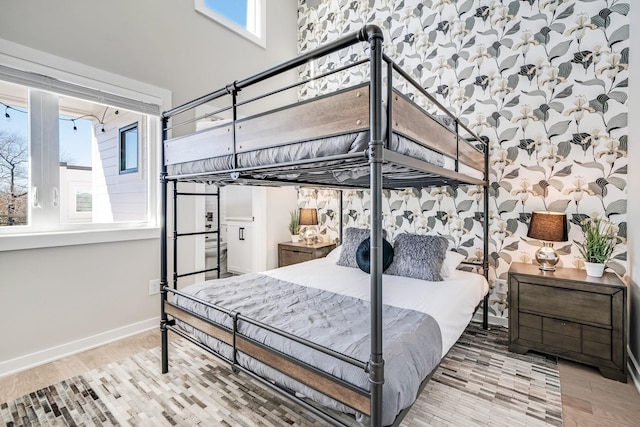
(317, 149)
(321, 128)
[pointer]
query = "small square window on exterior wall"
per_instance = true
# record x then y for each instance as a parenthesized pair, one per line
(129, 149)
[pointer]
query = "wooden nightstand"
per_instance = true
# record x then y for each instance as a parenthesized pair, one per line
(293, 253)
(571, 315)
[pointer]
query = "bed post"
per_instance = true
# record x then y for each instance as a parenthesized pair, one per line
(374, 36)
(485, 261)
(218, 227)
(163, 251)
(341, 209)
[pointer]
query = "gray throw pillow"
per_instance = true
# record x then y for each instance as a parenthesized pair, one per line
(418, 256)
(350, 241)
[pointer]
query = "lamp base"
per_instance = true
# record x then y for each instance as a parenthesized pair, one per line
(309, 236)
(547, 257)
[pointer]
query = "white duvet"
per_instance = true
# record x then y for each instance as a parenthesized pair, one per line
(450, 302)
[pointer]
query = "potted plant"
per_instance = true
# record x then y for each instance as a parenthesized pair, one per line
(294, 225)
(599, 242)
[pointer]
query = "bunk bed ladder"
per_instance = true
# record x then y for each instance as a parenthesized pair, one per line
(176, 235)
(165, 323)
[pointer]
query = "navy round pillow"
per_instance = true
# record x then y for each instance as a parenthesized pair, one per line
(363, 255)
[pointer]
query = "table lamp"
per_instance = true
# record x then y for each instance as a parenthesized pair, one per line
(548, 227)
(309, 217)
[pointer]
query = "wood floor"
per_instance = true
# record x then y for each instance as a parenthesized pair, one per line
(588, 399)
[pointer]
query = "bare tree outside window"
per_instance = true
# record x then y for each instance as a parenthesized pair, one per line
(14, 161)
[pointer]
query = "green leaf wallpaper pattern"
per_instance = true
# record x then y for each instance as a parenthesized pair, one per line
(544, 81)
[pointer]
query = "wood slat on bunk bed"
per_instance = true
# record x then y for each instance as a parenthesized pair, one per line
(409, 120)
(350, 397)
(213, 142)
(335, 114)
(339, 113)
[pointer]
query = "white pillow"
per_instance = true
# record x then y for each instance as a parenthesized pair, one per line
(334, 255)
(451, 262)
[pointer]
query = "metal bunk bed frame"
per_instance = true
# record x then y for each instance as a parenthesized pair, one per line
(377, 154)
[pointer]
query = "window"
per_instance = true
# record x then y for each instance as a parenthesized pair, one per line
(48, 97)
(129, 149)
(14, 157)
(61, 160)
(83, 200)
(245, 17)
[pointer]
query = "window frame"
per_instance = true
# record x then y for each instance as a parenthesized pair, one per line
(122, 133)
(257, 35)
(69, 75)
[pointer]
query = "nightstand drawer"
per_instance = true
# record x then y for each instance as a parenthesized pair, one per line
(530, 327)
(561, 334)
(530, 321)
(596, 342)
(563, 342)
(565, 303)
(599, 335)
(603, 351)
(294, 257)
(561, 327)
(293, 253)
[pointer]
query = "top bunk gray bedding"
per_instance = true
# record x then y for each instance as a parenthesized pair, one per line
(315, 149)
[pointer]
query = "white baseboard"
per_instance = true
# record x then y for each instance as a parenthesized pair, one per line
(41, 357)
(634, 369)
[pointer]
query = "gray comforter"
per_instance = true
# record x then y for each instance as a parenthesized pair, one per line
(315, 149)
(412, 340)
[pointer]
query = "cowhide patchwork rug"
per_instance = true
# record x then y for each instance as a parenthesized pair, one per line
(478, 383)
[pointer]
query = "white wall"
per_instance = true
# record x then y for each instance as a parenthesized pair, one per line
(266, 209)
(634, 202)
(73, 296)
(55, 299)
(274, 219)
(162, 42)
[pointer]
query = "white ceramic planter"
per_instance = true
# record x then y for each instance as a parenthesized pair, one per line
(295, 238)
(594, 269)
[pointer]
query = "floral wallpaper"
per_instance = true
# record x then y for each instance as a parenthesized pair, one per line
(543, 81)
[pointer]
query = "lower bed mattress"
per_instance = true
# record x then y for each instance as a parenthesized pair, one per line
(329, 305)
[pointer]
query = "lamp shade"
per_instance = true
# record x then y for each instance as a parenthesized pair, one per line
(308, 216)
(548, 226)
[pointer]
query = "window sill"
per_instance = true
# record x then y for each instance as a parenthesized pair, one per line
(17, 242)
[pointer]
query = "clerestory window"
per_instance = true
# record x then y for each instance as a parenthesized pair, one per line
(245, 17)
